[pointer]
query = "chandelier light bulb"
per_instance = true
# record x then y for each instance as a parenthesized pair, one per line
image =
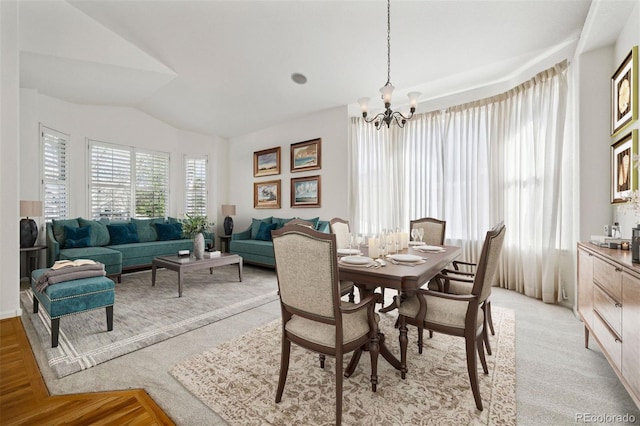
(387, 91)
(364, 104)
(413, 98)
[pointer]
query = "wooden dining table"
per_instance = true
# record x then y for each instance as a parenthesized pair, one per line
(406, 279)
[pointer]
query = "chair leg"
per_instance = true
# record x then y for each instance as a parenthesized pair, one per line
(55, 331)
(403, 347)
(284, 367)
(355, 359)
(420, 334)
(470, 346)
(490, 319)
(339, 388)
(321, 357)
(374, 351)
(352, 296)
(483, 360)
(36, 303)
(430, 334)
(485, 335)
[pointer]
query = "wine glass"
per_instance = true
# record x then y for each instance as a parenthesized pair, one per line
(350, 240)
(414, 234)
(382, 244)
(420, 234)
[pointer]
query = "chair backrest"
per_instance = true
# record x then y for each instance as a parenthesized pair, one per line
(488, 262)
(340, 228)
(433, 230)
(307, 270)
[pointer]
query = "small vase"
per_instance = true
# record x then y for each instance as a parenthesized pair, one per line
(198, 246)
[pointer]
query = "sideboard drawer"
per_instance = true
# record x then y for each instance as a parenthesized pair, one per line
(609, 277)
(611, 343)
(609, 309)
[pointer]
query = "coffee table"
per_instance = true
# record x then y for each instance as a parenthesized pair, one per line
(184, 264)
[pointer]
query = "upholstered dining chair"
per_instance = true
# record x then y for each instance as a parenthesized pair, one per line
(340, 228)
(433, 235)
(454, 314)
(313, 316)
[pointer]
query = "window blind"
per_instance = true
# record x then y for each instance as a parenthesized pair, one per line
(110, 181)
(196, 186)
(152, 184)
(55, 173)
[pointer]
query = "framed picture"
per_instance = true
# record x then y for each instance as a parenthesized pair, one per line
(306, 155)
(624, 174)
(624, 93)
(266, 162)
(305, 191)
(266, 195)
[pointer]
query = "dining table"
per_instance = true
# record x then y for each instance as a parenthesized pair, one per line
(406, 278)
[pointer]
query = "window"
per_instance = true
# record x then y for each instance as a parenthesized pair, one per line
(196, 185)
(125, 180)
(55, 180)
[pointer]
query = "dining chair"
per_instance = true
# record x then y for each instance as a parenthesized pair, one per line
(313, 316)
(433, 235)
(340, 228)
(456, 314)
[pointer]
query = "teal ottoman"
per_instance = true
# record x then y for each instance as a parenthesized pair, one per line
(73, 297)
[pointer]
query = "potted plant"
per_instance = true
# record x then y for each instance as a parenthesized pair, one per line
(194, 227)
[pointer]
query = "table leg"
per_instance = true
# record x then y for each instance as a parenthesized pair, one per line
(240, 270)
(180, 283)
(403, 347)
(153, 275)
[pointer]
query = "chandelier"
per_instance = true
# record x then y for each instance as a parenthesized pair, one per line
(389, 116)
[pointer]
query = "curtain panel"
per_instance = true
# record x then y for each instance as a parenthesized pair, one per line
(473, 165)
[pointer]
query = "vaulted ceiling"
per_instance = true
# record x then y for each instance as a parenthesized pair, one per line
(224, 67)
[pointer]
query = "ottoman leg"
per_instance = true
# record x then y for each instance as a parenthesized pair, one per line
(109, 318)
(35, 304)
(55, 330)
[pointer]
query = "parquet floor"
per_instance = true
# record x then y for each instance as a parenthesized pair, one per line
(24, 399)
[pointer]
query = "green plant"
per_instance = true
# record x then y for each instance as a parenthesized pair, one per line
(193, 225)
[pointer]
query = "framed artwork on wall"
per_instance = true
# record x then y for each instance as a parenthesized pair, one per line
(624, 93)
(266, 195)
(266, 162)
(305, 191)
(624, 175)
(306, 155)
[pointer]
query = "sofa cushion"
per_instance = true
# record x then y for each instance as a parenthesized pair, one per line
(99, 232)
(258, 247)
(123, 233)
(255, 225)
(142, 254)
(146, 229)
(112, 259)
(280, 222)
(58, 228)
(264, 233)
(169, 231)
(77, 237)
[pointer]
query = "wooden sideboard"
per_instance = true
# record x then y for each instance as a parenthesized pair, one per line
(609, 305)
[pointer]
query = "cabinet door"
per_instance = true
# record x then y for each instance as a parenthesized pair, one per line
(631, 331)
(585, 286)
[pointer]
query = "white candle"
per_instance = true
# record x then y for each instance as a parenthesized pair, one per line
(373, 249)
(404, 240)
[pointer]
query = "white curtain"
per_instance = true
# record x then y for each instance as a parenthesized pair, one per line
(474, 165)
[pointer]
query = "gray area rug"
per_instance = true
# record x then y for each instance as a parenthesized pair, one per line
(238, 381)
(144, 315)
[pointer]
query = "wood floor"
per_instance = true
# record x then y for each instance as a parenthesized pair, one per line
(24, 399)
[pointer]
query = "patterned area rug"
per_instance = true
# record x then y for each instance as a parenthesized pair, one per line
(144, 315)
(238, 381)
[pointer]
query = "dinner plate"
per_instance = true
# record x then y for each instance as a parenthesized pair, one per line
(356, 260)
(405, 257)
(348, 251)
(416, 243)
(429, 248)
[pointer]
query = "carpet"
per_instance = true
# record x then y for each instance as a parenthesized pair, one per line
(238, 381)
(144, 315)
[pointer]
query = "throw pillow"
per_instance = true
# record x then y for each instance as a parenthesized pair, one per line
(169, 231)
(77, 237)
(99, 231)
(280, 221)
(264, 233)
(255, 225)
(58, 228)
(125, 233)
(146, 231)
(315, 221)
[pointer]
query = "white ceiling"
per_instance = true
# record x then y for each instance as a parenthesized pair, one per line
(224, 67)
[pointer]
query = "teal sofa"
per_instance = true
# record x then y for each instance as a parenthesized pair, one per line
(256, 247)
(120, 245)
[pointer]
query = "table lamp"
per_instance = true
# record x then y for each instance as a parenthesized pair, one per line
(28, 227)
(228, 210)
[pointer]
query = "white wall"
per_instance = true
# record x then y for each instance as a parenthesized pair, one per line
(9, 160)
(329, 125)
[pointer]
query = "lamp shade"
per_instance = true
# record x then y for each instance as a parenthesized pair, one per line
(30, 208)
(228, 210)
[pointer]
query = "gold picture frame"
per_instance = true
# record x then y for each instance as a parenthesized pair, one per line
(306, 191)
(267, 195)
(306, 155)
(624, 93)
(266, 162)
(624, 176)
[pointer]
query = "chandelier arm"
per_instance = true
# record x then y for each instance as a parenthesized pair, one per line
(380, 115)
